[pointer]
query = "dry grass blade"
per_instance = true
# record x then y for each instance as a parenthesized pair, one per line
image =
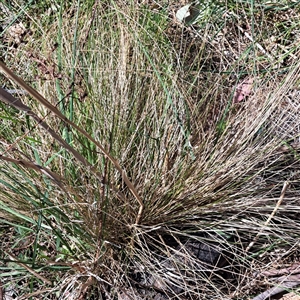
(284, 188)
(41, 99)
(14, 259)
(10, 100)
(34, 166)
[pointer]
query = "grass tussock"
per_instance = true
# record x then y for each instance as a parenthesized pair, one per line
(135, 173)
